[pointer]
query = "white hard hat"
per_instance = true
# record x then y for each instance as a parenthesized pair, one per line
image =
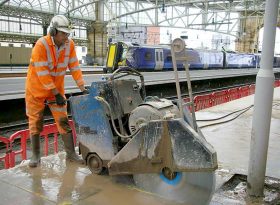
(61, 23)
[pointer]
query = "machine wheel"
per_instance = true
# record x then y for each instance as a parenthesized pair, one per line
(183, 187)
(95, 163)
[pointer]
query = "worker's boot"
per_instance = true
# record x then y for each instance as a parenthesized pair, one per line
(35, 159)
(69, 148)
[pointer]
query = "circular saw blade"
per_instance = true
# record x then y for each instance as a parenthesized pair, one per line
(187, 187)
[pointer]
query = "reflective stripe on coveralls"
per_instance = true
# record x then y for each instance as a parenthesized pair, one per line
(50, 61)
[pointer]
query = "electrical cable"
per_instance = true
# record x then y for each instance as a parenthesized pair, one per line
(113, 121)
(224, 115)
(276, 104)
(243, 111)
(217, 123)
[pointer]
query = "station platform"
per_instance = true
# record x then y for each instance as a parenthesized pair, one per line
(57, 181)
(23, 69)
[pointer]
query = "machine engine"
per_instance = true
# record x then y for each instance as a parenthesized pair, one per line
(160, 109)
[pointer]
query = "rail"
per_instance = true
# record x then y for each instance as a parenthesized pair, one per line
(200, 101)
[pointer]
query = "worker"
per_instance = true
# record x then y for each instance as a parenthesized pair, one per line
(51, 56)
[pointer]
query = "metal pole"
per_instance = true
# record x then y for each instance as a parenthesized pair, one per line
(177, 80)
(263, 104)
(187, 68)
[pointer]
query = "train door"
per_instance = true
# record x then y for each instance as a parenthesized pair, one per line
(159, 59)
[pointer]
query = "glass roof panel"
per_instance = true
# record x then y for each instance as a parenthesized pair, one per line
(41, 5)
(62, 6)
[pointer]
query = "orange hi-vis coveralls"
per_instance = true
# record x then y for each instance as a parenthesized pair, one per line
(46, 71)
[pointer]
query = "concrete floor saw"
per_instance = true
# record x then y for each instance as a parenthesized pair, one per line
(156, 140)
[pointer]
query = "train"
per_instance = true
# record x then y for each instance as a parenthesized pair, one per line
(151, 58)
(158, 58)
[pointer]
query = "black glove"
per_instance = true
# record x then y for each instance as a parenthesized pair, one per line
(85, 91)
(60, 100)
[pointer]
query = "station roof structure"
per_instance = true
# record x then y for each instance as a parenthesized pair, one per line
(22, 20)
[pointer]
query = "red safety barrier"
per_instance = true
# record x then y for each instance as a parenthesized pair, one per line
(185, 101)
(22, 136)
(51, 129)
(202, 101)
(72, 125)
(219, 97)
(233, 94)
(6, 156)
(244, 91)
(277, 83)
(48, 130)
(252, 89)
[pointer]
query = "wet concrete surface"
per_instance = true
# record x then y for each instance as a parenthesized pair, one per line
(58, 181)
(61, 182)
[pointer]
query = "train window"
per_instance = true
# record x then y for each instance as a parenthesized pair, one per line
(148, 56)
(156, 56)
(169, 58)
(161, 56)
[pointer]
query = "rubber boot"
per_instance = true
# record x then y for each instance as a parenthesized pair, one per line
(35, 159)
(69, 148)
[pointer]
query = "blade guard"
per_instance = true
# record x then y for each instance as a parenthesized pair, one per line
(159, 144)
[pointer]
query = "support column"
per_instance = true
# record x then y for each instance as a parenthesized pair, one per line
(97, 36)
(249, 35)
(263, 104)
(97, 43)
